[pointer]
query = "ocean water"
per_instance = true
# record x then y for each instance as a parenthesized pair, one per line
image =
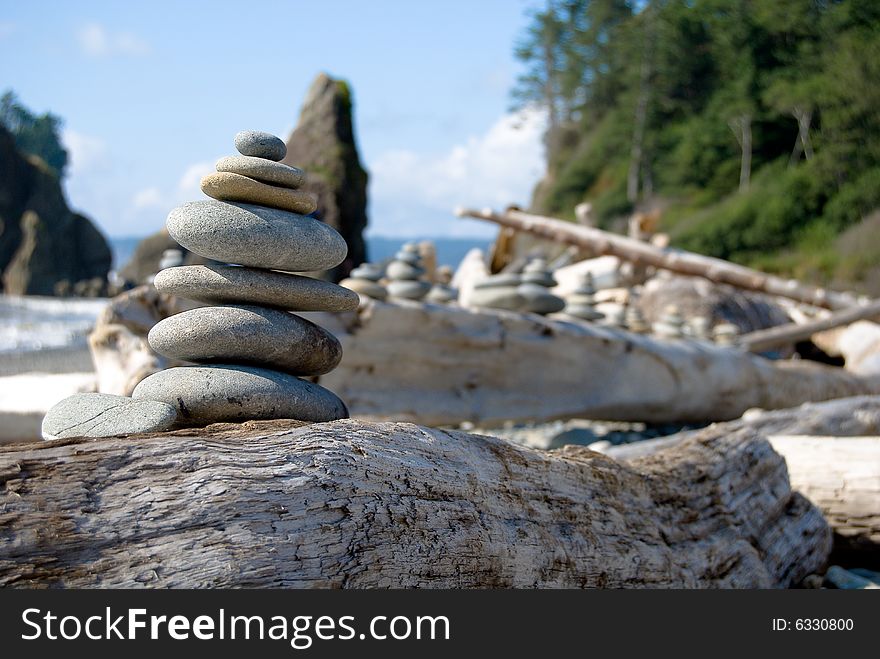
(450, 251)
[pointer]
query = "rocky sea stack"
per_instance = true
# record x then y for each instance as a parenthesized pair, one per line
(249, 352)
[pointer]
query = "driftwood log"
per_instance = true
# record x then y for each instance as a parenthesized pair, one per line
(774, 337)
(646, 254)
(441, 365)
(354, 504)
(841, 475)
(833, 456)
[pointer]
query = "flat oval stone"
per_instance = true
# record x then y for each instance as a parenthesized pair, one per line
(367, 271)
(260, 169)
(365, 287)
(403, 270)
(408, 289)
(211, 394)
(497, 297)
(227, 186)
(247, 335)
(104, 415)
(256, 236)
(229, 284)
(537, 299)
(258, 144)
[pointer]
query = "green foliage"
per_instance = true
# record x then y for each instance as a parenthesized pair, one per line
(38, 135)
(785, 94)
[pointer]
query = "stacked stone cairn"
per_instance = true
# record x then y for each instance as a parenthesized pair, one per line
(251, 353)
(364, 280)
(670, 325)
(635, 319)
(582, 301)
(248, 350)
(405, 274)
(442, 292)
(726, 334)
(700, 327)
(535, 289)
(499, 291)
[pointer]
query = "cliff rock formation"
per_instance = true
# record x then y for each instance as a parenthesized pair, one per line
(45, 248)
(323, 145)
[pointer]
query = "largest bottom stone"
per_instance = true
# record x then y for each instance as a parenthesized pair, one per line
(224, 392)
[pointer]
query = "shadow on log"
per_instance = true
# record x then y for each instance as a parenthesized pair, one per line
(351, 504)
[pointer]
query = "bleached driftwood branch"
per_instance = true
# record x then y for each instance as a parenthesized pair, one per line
(774, 337)
(353, 504)
(642, 253)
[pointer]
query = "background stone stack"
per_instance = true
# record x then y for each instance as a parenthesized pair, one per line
(251, 347)
(581, 303)
(364, 280)
(405, 273)
(535, 289)
(442, 291)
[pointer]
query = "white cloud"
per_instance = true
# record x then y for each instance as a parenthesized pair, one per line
(188, 185)
(97, 41)
(84, 152)
(414, 193)
(148, 198)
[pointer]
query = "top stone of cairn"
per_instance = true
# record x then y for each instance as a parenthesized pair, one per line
(258, 144)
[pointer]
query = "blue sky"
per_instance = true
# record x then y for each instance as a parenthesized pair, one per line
(152, 94)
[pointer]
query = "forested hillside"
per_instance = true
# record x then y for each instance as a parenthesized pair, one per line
(753, 125)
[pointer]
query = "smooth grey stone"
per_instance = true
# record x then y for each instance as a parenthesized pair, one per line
(584, 312)
(227, 284)
(258, 144)
(497, 297)
(503, 280)
(537, 299)
(408, 289)
(256, 236)
(104, 415)
(365, 287)
(265, 171)
(367, 271)
(544, 279)
(442, 293)
(228, 392)
(408, 257)
(247, 335)
(402, 270)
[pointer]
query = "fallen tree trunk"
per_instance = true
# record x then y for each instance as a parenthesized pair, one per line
(781, 335)
(351, 504)
(441, 365)
(642, 253)
(840, 474)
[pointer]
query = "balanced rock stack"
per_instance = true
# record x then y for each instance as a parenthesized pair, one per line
(405, 273)
(726, 334)
(634, 319)
(499, 291)
(535, 289)
(671, 324)
(364, 280)
(442, 292)
(582, 301)
(250, 350)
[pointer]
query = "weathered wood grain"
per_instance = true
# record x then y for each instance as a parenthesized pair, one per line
(355, 504)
